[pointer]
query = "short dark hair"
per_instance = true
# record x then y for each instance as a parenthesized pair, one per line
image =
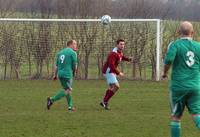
(70, 42)
(120, 40)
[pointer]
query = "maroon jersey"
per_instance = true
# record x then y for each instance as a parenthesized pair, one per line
(113, 60)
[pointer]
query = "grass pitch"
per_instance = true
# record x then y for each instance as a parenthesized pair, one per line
(139, 109)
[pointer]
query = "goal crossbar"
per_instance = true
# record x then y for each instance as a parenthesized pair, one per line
(75, 20)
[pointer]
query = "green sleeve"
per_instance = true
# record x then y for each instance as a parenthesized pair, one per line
(171, 54)
(74, 59)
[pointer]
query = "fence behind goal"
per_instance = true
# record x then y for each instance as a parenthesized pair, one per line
(28, 47)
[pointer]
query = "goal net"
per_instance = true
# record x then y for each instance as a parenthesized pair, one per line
(28, 46)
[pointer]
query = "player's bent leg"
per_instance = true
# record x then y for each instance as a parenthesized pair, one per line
(58, 96)
(52, 99)
(109, 93)
(112, 82)
(107, 97)
(175, 127)
(196, 119)
(61, 93)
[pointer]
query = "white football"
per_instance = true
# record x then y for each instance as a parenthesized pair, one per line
(105, 19)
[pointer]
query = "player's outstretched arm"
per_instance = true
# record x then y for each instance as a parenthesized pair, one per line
(75, 63)
(165, 71)
(75, 69)
(128, 59)
(55, 72)
(121, 74)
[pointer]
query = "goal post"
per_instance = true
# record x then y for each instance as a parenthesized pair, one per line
(143, 38)
(158, 50)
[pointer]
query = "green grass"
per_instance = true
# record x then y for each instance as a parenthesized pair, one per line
(139, 109)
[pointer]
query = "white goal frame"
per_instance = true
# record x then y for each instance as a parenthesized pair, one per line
(158, 31)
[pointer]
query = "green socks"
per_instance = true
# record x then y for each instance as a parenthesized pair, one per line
(175, 129)
(197, 121)
(61, 94)
(69, 100)
(58, 96)
(176, 126)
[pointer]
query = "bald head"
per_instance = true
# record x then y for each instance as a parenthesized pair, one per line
(186, 29)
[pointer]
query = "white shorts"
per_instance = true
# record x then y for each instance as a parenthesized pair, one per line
(111, 77)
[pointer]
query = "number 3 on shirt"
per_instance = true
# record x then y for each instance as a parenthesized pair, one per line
(62, 58)
(190, 60)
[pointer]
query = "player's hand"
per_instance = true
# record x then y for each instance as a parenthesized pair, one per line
(130, 59)
(55, 78)
(121, 74)
(75, 73)
(164, 76)
(134, 60)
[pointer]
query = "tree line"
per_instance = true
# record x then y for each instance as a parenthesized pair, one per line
(28, 50)
(162, 9)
